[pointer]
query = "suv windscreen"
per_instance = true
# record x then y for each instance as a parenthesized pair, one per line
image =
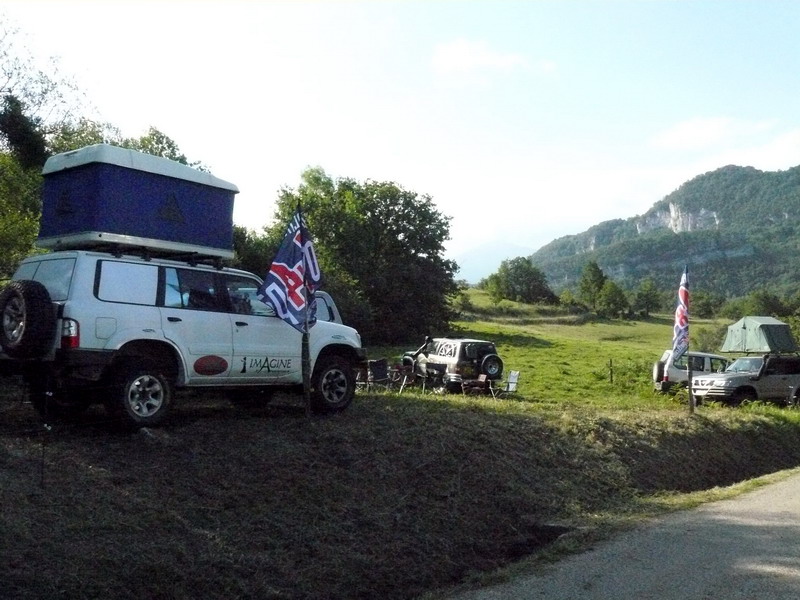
(749, 364)
(55, 275)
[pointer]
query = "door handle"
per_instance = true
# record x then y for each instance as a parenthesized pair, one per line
(174, 319)
(241, 324)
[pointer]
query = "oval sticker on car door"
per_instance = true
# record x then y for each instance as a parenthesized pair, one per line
(210, 365)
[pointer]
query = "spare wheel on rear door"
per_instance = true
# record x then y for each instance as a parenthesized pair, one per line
(658, 371)
(27, 320)
(492, 366)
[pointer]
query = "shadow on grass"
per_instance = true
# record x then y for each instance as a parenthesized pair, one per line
(504, 339)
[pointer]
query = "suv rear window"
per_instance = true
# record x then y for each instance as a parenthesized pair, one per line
(54, 274)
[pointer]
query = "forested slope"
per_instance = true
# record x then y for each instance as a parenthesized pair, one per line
(736, 228)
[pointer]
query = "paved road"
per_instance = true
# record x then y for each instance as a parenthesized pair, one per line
(745, 547)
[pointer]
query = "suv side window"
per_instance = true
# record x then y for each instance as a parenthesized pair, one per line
(243, 298)
(446, 349)
(187, 288)
(717, 365)
(126, 282)
(782, 366)
(680, 363)
(324, 311)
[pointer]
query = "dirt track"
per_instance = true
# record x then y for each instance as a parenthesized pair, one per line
(746, 547)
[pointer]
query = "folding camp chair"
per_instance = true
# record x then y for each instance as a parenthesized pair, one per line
(507, 387)
(378, 374)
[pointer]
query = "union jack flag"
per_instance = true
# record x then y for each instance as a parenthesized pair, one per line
(294, 277)
(680, 332)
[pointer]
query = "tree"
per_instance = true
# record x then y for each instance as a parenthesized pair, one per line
(83, 132)
(611, 301)
(591, 284)
(762, 302)
(647, 298)
(704, 305)
(158, 144)
(517, 279)
(45, 98)
(22, 134)
(19, 212)
(33, 105)
(383, 242)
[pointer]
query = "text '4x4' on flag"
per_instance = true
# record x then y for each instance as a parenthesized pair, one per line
(680, 335)
(293, 278)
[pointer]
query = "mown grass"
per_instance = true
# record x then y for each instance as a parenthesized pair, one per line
(398, 497)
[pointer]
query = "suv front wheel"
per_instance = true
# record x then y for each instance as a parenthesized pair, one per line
(333, 385)
(139, 393)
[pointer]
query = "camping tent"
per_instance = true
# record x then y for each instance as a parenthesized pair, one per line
(759, 334)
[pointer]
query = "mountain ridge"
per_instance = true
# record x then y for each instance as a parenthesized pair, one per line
(735, 227)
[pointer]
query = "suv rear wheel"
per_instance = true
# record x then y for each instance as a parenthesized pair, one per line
(333, 385)
(28, 319)
(139, 393)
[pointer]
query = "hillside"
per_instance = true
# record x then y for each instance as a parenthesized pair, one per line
(400, 495)
(735, 227)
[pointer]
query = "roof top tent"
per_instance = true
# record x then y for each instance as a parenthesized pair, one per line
(759, 334)
(103, 196)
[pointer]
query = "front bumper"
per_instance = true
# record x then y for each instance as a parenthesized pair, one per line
(713, 393)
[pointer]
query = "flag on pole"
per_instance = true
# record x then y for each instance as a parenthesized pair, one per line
(294, 277)
(680, 335)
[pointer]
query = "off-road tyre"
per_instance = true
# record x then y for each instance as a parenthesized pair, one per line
(333, 385)
(492, 366)
(27, 320)
(658, 371)
(138, 393)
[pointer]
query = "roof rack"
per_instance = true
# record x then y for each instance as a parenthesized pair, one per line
(145, 248)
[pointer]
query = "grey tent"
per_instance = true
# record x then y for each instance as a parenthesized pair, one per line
(759, 334)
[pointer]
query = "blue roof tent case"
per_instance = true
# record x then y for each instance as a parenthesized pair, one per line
(104, 195)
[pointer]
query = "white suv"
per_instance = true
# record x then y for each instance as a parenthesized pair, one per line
(85, 326)
(668, 373)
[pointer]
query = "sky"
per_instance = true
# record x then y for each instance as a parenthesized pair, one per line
(523, 121)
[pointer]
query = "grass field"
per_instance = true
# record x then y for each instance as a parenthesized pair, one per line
(402, 496)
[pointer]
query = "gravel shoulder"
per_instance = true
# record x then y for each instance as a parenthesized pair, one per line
(744, 547)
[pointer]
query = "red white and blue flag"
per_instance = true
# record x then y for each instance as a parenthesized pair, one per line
(680, 335)
(293, 278)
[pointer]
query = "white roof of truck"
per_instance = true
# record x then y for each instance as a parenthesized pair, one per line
(131, 159)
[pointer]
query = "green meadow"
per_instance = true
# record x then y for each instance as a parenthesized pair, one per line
(402, 496)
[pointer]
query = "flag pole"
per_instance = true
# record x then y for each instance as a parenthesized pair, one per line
(680, 338)
(305, 354)
(688, 343)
